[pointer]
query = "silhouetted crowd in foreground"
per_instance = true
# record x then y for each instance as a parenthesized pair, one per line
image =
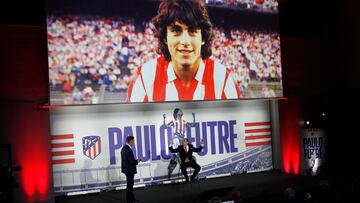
(342, 189)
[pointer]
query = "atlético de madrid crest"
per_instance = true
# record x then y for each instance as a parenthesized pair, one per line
(91, 146)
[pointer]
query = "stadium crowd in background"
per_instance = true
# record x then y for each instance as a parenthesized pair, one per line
(249, 4)
(87, 54)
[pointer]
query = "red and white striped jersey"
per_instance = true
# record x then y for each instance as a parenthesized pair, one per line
(156, 81)
(179, 127)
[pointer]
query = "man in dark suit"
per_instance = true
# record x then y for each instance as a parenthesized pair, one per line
(187, 160)
(128, 167)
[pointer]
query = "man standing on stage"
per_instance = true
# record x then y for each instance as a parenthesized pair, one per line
(187, 160)
(179, 127)
(184, 71)
(128, 167)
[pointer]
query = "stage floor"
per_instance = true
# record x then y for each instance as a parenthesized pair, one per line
(249, 185)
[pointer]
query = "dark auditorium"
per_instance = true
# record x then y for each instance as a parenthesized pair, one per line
(169, 101)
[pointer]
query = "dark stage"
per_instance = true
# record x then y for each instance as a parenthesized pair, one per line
(249, 185)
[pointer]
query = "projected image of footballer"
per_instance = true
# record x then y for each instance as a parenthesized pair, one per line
(179, 127)
(184, 71)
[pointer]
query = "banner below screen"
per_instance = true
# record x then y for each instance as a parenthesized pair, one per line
(86, 144)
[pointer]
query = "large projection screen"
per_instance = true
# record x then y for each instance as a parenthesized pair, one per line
(107, 52)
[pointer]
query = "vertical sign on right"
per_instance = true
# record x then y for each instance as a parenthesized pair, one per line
(313, 151)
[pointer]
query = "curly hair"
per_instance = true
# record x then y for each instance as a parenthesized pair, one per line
(193, 13)
(175, 113)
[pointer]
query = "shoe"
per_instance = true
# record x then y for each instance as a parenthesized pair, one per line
(187, 181)
(135, 200)
(193, 180)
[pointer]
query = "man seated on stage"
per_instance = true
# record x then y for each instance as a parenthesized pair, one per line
(187, 160)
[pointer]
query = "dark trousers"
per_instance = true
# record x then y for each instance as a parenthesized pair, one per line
(191, 164)
(129, 187)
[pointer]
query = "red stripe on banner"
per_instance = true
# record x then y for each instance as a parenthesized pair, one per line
(88, 152)
(63, 161)
(257, 124)
(253, 144)
(66, 136)
(99, 145)
(94, 148)
(258, 130)
(59, 145)
(61, 153)
(254, 137)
